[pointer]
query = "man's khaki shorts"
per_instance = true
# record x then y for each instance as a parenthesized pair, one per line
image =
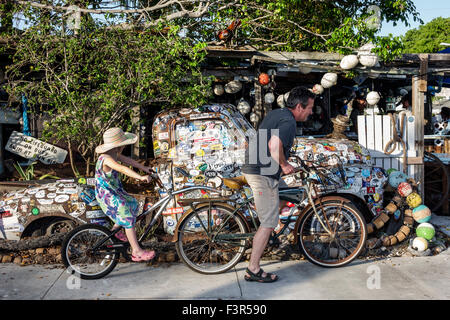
(267, 201)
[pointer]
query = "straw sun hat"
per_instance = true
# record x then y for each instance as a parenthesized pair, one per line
(115, 137)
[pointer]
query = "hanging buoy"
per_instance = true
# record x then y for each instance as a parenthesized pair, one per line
(233, 86)
(328, 80)
(263, 79)
(349, 62)
(372, 98)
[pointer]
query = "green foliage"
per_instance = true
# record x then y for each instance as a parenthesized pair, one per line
(92, 81)
(26, 175)
(307, 25)
(29, 174)
(427, 38)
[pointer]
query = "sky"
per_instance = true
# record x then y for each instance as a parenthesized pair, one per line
(428, 10)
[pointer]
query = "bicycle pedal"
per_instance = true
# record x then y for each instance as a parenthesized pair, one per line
(274, 241)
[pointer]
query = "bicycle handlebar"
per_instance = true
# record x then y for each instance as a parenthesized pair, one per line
(306, 169)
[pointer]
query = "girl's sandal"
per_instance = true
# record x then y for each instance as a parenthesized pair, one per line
(121, 236)
(146, 256)
(258, 276)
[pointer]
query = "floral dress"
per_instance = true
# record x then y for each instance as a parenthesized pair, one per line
(115, 202)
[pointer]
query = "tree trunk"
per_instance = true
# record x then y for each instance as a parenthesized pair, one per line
(72, 164)
(88, 165)
(32, 243)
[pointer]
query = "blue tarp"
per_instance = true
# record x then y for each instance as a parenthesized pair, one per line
(446, 81)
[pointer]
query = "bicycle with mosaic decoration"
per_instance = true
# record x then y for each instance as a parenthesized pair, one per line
(329, 230)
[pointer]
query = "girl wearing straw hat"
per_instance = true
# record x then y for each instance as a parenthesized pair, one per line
(115, 202)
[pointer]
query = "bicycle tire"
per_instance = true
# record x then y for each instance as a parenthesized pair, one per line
(202, 250)
(331, 252)
(80, 240)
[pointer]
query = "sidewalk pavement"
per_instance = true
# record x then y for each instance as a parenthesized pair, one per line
(426, 278)
(394, 278)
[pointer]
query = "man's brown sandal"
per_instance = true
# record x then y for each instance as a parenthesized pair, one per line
(258, 276)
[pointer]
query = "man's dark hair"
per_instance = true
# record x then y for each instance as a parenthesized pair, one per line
(300, 95)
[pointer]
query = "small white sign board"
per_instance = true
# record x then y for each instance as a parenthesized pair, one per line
(32, 148)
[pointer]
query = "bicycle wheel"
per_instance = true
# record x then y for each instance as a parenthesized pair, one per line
(78, 256)
(211, 241)
(348, 238)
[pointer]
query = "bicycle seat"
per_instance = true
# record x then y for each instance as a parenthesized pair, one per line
(235, 183)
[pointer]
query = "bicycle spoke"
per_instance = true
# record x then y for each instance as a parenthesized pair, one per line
(336, 249)
(205, 251)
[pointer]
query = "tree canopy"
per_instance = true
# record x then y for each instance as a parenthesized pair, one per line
(99, 77)
(428, 38)
(284, 25)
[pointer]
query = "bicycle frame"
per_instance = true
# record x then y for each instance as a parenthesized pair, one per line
(306, 199)
(246, 205)
(161, 204)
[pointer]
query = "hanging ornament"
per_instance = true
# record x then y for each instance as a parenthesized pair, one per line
(254, 117)
(286, 97)
(263, 79)
(366, 57)
(233, 86)
(372, 98)
(328, 80)
(243, 107)
(349, 62)
(269, 98)
(280, 101)
(317, 89)
(304, 70)
(218, 90)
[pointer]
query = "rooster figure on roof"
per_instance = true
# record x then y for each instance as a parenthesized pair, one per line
(226, 35)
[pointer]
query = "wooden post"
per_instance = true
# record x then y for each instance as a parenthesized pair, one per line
(258, 108)
(136, 119)
(419, 88)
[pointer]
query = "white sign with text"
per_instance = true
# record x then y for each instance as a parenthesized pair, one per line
(32, 148)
